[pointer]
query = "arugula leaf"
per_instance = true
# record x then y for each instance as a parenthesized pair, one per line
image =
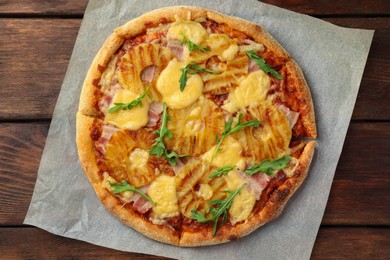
(131, 104)
(221, 209)
(268, 166)
(198, 216)
(222, 171)
(191, 45)
(118, 188)
(159, 148)
(192, 69)
(229, 130)
(263, 66)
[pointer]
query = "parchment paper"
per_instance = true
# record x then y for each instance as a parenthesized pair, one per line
(332, 58)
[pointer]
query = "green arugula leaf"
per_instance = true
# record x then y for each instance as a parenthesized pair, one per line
(222, 171)
(118, 188)
(198, 216)
(229, 130)
(131, 104)
(191, 45)
(192, 69)
(263, 66)
(221, 208)
(268, 166)
(159, 147)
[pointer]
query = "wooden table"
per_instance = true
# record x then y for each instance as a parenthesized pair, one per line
(37, 38)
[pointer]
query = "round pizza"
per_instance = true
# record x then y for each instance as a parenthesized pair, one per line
(194, 128)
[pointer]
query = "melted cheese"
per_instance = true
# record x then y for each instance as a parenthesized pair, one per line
(163, 192)
(169, 87)
(243, 203)
(230, 153)
(192, 30)
(132, 119)
(251, 91)
(138, 158)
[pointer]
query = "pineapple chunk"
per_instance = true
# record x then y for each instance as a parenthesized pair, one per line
(136, 60)
(195, 127)
(195, 189)
(269, 141)
(127, 157)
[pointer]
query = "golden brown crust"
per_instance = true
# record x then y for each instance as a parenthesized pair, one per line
(88, 161)
(271, 210)
(306, 108)
(88, 97)
(86, 147)
(87, 110)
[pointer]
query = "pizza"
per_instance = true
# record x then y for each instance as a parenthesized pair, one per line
(194, 128)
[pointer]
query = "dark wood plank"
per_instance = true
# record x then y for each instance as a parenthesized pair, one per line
(360, 191)
(21, 147)
(43, 7)
(33, 243)
(34, 55)
(359, 195)
(342, 7)
(352, 243)
(331, 243)
(323, 7)
(31, 67)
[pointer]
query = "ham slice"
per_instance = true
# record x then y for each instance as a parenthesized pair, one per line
(108, 97)
(101, 143)
(177, 49)
(140, 204)
(252, 66)
(256, 183)
(292, 116)
(148, 73)
(154, 112)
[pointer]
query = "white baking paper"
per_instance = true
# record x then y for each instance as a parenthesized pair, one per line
(332, 58)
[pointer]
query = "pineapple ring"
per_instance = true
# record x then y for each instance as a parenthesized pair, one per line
(269, 141)
(140, 58)
(194, 127)
(127, 158)
(195, 189)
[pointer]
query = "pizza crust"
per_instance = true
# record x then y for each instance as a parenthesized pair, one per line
(271, 210)
(88, 113)
(306, 108)
(113, 204)
(88, 97)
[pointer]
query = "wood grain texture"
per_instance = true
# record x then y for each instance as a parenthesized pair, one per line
(331, 243)
(360, 191)
(34, 55)
(39, 40)
(352, 243)
(21, 147)
(357, 186)
(334, 7)
(322, 7)
(43, 7)
(34, 243)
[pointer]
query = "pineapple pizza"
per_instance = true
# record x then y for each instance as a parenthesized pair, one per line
(194, 128)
